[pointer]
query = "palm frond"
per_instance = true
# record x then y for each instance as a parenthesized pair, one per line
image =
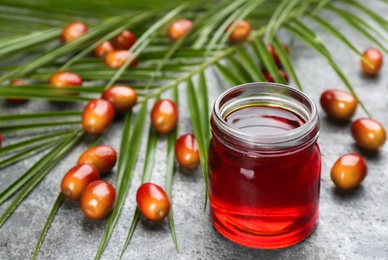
(146, 176)
(127, 159)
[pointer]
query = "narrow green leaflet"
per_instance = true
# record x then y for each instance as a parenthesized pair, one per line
(376, 17)
(48, 162)
(313, 40)
(26, 153)
(361, 26)
(228, 75)
(35, 169)
(146, 176)
(47, 94)
(286, 61)
(57, 204)
(35, 38)
(170, 161)
(203, 99)
(266, 58)
(196, 115)
(279, 17)
(131, 231)
(122, 161)
(28, 142)
(240, 73)
(333, 31)
(130, 145)
(34, 126)
(38, 115)
(250, 64)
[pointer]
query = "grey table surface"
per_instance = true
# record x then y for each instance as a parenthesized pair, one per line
(352, 225)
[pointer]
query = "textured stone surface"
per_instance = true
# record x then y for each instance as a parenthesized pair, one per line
(352, 225)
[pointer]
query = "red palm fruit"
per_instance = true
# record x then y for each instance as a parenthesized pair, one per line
(178, 28)
(187, 152)
(241, 32)
(152, 201)
(368, 133)
(76, 179)
(375, 58)
(103, 157)
(103, 49)
(124, 40)
(164, 116)
(275, 55)
(63, 79)
(123, 98)
(73, 31)
(97, 116)
(116, 59)
(338, 104)
(348, 171)
(17, 100)
(98, 199)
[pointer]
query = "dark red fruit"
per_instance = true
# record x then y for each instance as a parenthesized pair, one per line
(368, 133)
(164, 116)
(152, 201)
(179, 28)
(275, 55)
(187, 152)
(103, 157)
(375, 58)
(338, 104)
(97, 116)
(103, 49)
(17, 100)
(241, 32)
(98, 199)
(124, 40)
(76, 179)
(116, 59)
(123, 98)
(73, 31)
(348, 171)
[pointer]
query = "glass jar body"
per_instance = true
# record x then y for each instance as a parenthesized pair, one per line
(264, 195)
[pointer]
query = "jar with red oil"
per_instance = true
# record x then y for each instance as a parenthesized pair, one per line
(264, 165)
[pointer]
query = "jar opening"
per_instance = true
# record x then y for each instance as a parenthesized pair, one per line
(270, 95)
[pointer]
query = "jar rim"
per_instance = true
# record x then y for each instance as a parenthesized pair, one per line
(270, 93)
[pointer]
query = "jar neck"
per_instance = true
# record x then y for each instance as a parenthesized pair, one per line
(265, 94)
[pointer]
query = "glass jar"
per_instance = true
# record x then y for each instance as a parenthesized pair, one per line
(264, 165)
